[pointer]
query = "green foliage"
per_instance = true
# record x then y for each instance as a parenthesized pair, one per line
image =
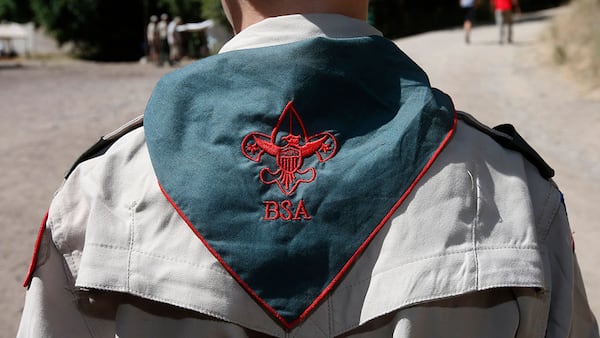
(396, 18)
(7, 9)
(188, 10)
(212, 9)
(111, 30)
(15, 10)
(106, 30)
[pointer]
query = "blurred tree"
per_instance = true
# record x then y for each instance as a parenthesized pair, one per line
(107, 30)
(396, 18)
(212, 9)
(188, 10)
(113, 30)
(15, 10)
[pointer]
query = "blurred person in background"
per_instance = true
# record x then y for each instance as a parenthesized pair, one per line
(163, 42)
(152, 39)
(307, 181)
(174, 40)
(469, 8)
(503, 11)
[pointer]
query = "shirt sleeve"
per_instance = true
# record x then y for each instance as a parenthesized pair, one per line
(569, 313)
(584, 323)
(51, 302)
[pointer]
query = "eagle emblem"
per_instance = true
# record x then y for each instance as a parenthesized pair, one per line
(289, 149)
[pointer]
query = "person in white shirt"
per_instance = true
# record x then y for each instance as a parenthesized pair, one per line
(152, 39)
(469, 8)
(163, 43)
(174, 40)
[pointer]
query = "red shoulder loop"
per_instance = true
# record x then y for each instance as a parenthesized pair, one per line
(34, 259)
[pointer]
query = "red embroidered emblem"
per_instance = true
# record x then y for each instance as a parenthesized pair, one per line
(290, 151)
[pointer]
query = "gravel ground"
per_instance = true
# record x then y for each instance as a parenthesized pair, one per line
(52, 111)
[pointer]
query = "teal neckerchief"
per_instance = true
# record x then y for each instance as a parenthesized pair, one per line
(286, 161)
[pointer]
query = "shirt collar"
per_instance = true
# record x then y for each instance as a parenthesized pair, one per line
(291, 28)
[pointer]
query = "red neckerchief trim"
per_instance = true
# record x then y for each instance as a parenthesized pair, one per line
(36, 251)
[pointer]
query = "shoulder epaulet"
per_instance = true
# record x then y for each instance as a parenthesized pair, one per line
(106, 141)
(507, 136)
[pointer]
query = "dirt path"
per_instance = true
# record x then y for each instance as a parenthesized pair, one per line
(52, 113)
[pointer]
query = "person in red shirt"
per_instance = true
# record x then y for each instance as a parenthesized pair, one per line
(504, 19)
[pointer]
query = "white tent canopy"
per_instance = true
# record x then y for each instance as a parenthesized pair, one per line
(16, 38)
(12, 31)
(195, 26)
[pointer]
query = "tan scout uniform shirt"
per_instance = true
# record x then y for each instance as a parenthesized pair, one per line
(481, 248)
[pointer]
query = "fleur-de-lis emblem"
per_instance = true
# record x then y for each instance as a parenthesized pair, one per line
(289, 151)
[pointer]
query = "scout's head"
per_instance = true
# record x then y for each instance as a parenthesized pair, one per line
(243, 13)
